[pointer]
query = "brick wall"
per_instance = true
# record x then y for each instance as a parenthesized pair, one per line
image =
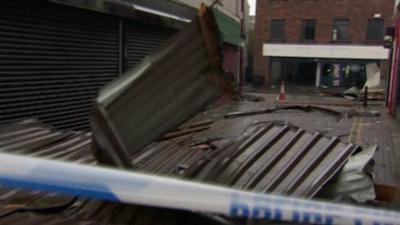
(324, 12)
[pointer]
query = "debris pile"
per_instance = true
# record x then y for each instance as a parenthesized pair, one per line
(163, 91)
(143, 122)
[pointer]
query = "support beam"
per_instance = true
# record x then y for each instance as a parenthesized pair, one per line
(318, 75)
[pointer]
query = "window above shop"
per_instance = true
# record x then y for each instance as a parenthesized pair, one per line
(375, 30)
(308, 30)
(277, 30)
(341, 30)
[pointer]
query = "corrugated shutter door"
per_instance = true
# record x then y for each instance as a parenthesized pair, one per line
(53, 60)
(143, 39)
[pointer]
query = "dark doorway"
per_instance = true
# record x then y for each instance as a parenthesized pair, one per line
(306, 73)
(293, 72)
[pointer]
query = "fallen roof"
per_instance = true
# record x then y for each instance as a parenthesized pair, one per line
(354, 183)
(163, 91)
(270, 157)
(34, 138)
(32, 207)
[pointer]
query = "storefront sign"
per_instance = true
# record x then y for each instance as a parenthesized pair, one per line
(326, 51)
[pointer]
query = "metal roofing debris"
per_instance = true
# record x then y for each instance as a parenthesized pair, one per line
(354, 113)
(31, 137)
(279, 158)
(143, 189)
(189, 129)
(163, 91)
(266, 157)
(373, 75)
(306, 108)
(354, 182)
(357, 95)
(351, 96)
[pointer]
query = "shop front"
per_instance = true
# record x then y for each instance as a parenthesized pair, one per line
(328, 73)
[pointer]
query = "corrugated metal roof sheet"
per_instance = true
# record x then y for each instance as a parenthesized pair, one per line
(161, 92)
(31, 137)
(265, 156)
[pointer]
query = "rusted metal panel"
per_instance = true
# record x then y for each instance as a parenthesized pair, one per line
(161, 92)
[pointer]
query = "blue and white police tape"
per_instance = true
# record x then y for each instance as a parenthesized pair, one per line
(149, 190)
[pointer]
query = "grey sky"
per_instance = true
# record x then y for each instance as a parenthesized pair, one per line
(252, 7)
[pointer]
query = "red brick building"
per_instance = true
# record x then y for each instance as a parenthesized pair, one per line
(321, 42)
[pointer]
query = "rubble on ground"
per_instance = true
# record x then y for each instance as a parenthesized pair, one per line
(156, 119)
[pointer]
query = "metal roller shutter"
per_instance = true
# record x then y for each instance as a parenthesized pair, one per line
(143, 39)
(53, 60)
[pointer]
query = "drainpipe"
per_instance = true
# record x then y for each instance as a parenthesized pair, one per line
(391, 67)
(242, 32)
(393, 78)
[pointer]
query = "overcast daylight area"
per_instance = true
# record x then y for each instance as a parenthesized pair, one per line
(252, 4)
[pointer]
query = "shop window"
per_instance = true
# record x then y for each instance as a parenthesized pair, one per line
(343, 75)
(308, 30)
(375, 30)
(341, 30)
(277, 30)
